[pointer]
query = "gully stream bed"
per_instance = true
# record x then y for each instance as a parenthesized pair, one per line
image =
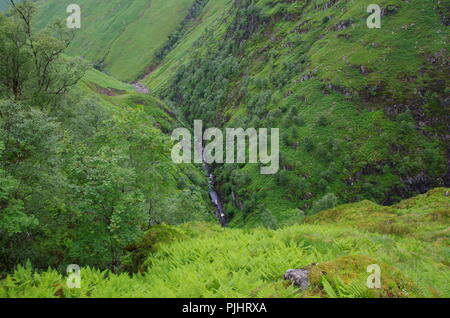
(214, 196)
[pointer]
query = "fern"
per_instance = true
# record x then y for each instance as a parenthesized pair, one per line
(329, 288)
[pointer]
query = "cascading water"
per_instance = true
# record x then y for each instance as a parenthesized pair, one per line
(215, 198)
(213, 194)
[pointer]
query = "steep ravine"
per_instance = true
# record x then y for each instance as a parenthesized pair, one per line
(212, 187)
(215, 197)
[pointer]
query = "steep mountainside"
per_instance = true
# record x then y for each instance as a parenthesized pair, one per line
(181, 194)
(119, 36)
(363, 113)
(161, 73)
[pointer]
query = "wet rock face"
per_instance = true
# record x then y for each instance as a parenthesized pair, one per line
(299, 277)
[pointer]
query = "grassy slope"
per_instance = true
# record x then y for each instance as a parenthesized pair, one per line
(204, 260)
(126, 34)
(358, 80)
(101, 79)
(118, 96)
(212, 11)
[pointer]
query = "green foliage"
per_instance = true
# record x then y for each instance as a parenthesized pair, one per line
(121, 37)
(34, 68)
(93, 187)
(204, 260)
(421, 217)
(329, 201)
(322, 121)
(268, 220)
(13, 220)
(346, 277)
(86, 175)
(82, 175)
(178, 34)
(138, 259)
(296, 67)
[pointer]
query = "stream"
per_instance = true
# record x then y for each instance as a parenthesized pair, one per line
(214, 196)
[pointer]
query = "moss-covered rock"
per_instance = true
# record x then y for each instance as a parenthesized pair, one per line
(347, 277)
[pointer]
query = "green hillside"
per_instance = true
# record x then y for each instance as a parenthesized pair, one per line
(119, 36)
(204, 260)
(160, 75)
(86, 174)
(362, 112)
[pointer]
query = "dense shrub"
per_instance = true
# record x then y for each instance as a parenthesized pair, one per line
(327, 202)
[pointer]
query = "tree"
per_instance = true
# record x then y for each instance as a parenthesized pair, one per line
(13, 218)
(30, 185)
(33, 67)
(109, 206)
(329, 201)
(268, 219)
